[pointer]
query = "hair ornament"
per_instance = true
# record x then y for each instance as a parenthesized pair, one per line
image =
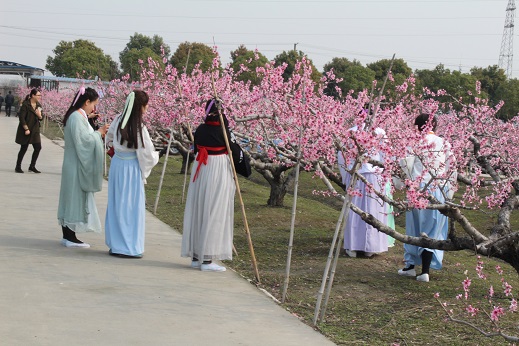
(128, 109)
(79, 93)
(208, 109)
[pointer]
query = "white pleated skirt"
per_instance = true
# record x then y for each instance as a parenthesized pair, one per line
(125, 213)
(209, 215)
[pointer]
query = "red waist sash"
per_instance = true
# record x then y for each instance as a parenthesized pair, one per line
(203, 154)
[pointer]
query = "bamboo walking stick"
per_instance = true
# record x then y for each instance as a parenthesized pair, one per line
(236, 182)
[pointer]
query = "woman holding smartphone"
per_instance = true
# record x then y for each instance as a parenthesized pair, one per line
(28, 131)
(82, 170)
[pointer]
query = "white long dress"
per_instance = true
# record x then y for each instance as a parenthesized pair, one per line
(126, 210)
(209, 214)
(358, 235)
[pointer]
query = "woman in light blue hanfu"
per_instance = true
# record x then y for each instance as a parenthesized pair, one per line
(134, 158)
(426, 221)
(82, 170)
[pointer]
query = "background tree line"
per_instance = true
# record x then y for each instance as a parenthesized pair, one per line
(84, 58)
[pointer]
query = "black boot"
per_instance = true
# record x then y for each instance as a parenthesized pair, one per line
(33, 169)
(18, 169)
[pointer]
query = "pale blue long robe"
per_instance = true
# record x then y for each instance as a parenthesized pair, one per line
(81, 176)
(431, 222)
(126, 210)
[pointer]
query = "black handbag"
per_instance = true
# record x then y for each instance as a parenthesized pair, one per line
(241, 161)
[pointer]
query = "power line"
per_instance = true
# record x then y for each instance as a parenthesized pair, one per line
(219, 18)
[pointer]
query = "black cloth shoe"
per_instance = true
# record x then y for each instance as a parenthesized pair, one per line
(18, 170)
(33, 169)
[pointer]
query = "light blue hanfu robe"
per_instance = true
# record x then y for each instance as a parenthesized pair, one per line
(431, 222)
(126, 210)
(81, 175)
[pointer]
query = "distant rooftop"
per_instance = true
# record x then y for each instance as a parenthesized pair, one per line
(14, 68)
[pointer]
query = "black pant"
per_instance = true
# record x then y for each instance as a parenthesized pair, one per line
(23, 150)
(7, 110)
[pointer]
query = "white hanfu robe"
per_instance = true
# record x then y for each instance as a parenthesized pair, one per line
(81, 175)
(126, 210)
(358, 235)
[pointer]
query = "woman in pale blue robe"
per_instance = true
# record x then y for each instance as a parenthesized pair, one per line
(131, 164)
(82, 170)
(426, 221)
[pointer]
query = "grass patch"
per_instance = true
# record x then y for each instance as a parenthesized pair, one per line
(369, 304)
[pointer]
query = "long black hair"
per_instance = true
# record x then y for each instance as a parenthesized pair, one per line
(134, 126)
(89, 94)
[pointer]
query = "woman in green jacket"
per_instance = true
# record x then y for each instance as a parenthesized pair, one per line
(29, 130)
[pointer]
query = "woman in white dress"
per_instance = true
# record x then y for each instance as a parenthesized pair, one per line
(209, 214)
(134, 158)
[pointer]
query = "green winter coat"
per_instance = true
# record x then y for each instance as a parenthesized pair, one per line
(28, 118)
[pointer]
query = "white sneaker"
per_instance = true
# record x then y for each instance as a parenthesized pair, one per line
(410, 272)
(195, 264)
(212, 267)
(68, 243)
(423, 278)
(351, 253)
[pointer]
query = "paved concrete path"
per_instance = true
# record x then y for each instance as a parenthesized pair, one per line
(52, 295)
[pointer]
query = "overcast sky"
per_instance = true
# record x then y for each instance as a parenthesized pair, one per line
(458, 33)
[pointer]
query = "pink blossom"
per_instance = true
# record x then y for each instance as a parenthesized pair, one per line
(507, 289)
(472, 310)
(496, 313)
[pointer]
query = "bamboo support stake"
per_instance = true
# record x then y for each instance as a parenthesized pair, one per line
(347, 201)
(327, 267)
(294, 211)
(236, 182)
(185, 178)
(292, 226)
(332, 273)
(159, 188)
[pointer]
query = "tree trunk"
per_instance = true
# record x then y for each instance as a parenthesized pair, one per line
(279, 185)
(191, 159)
(277, 194)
